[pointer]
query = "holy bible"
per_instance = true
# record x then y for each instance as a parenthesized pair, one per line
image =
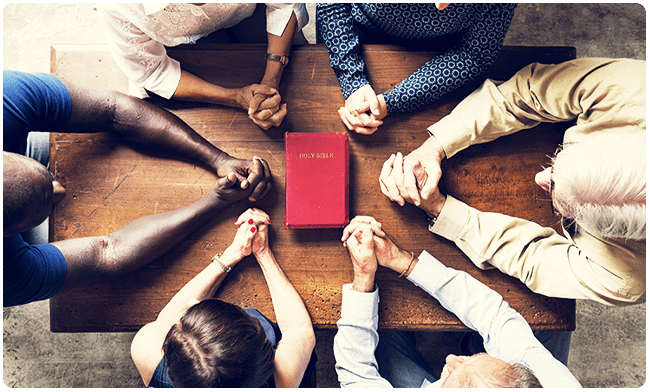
(317, 180)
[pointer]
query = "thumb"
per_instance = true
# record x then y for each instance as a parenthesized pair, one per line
(420, 174)
(229, 180)
(255, 103)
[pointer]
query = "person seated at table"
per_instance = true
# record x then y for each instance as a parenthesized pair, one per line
(372, 359)
(198, 341)
(468, 35)
(44, 103)
(596, 182)
(138, 34)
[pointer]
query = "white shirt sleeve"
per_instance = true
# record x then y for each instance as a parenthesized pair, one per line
(505, 333)
(356, 340)
(143, 59)
(278, 15)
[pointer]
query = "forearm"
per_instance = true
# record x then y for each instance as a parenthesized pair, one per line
(281, 46)
(289, 308)
(336, 29)
(298, 340)
(148, 238)
(194, 89)
(537, 256)
(138, 123)
(357, 338)
(202, 286)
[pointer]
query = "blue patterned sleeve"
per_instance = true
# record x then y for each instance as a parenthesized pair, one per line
(336, 30)
(476, 51)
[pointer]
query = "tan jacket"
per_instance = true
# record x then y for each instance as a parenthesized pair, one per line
(600, 95)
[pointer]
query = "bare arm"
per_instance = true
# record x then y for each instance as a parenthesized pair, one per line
(142, 240)
(146, 126)
(298, 340)
(146, 348)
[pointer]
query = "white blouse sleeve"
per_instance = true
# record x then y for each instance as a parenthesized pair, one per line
(278, 15)
(141, 58)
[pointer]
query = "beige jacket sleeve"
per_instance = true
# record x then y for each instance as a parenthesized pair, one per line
(546, 262)
(598, 95)
(595, 93)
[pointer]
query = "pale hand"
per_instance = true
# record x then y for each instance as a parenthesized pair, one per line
(363, 111)
(258, 220)
(364, 261)
(414, 177)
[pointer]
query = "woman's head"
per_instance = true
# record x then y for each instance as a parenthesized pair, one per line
(600, 183)
(217, 344)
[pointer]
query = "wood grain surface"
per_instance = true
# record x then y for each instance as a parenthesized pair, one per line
(109, 185)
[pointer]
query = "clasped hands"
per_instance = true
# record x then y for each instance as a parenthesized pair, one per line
(251, 237)
(262, 103)
(363, 111)
(414, 178)
(369, 246)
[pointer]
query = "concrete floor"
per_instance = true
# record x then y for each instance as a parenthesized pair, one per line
(608, 348)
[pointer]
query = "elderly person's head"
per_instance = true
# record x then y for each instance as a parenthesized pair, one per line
(30, 192)
(218, 345)
(600, 183)
(484, 371)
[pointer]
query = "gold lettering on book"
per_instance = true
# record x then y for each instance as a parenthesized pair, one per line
(316, 155)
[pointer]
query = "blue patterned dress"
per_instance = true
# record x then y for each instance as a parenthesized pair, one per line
(478, 31)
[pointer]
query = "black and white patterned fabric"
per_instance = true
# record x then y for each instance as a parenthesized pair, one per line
(480, 29)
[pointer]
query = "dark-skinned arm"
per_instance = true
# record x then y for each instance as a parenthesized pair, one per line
(143, 125)
(144, 239)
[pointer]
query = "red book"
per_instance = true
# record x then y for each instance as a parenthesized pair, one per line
(317, 180)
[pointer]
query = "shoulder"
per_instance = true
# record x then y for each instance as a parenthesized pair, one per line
(36, 102)
(146, 350)
(31, 272)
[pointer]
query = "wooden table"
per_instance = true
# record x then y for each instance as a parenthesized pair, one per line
(108, 185)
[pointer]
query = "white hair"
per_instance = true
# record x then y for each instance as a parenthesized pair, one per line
(600, 183)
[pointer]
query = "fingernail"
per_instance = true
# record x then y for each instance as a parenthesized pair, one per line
(250, 221)
(252, 230)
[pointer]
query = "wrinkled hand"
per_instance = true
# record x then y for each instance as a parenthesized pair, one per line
(389, 255)
(254, 174)
(361, 221)
(258, 221)
(363, 111)
(364, 261)
(415, 178)
(262, 104)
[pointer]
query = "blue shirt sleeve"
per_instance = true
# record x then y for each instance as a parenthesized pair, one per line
(487, 26)
(336, 30)
(31, 272)
(482, 29)
(32, 102)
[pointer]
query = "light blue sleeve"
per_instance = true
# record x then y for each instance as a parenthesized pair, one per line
(357, 339)
(505, 333)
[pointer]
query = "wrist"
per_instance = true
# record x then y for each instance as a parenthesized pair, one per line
(434, 207)
(264, 255)
(364, 283)
(272, 74)
(231, 257)
(433, 147)
(383, 109)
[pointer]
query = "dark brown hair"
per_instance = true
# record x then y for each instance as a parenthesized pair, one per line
(217, 344)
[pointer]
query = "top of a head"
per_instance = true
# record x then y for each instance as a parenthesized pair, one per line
(600, 183)
(27, 193)
(216, 345)
(485, 371)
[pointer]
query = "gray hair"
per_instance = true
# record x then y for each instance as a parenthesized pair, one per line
(600, 183)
